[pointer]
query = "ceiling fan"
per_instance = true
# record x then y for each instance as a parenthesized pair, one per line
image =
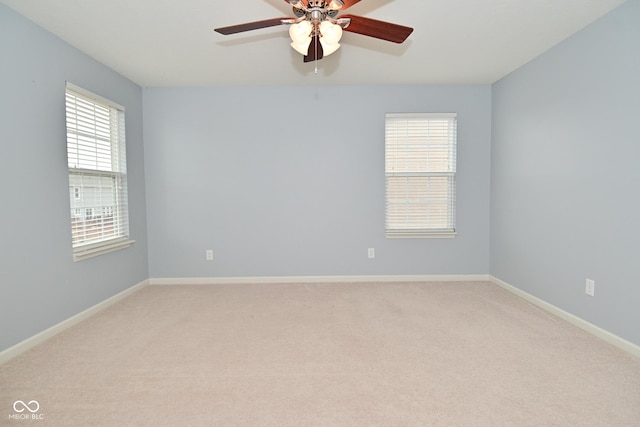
(316, 29)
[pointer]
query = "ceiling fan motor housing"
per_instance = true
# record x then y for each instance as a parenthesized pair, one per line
(316, 11)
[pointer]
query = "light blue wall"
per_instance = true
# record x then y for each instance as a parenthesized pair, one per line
(40, 285)
(565, 193)
(289, 181)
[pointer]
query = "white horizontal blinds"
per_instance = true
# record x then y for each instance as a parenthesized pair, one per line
(420, 167)
(97, 169)
(89, 134)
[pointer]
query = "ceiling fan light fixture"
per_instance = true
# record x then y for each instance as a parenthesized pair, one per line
(300, 34)
(331, 34)
(301, 31)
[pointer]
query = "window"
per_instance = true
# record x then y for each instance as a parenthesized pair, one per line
(420, 170)
(96, 160)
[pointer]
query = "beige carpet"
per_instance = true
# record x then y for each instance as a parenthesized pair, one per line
(368, 354)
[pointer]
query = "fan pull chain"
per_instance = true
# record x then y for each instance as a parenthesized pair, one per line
(316, 61)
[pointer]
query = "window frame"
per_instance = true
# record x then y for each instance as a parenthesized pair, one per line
(417, 180)
(112, 234)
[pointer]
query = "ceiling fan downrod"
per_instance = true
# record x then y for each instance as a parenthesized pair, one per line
(317, 11)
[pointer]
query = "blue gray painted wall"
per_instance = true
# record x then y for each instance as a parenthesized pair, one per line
(289, 181)
(565, 193)
(40, 285)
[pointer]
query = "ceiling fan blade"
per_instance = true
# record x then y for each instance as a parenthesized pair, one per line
(348, 4)
(233, 29)
(315, 50)
(378, 29)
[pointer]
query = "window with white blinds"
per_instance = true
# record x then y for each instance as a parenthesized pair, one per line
(96, 157)
(420, 170)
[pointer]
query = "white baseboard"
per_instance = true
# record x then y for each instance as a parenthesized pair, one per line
(316, 279)
(607, 336)
(25, 345)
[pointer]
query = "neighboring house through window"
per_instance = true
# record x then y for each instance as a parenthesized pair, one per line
(96, 156)
(420, 171)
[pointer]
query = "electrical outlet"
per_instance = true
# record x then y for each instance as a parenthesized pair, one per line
(590, 288)
(371, 253)
(209, 254)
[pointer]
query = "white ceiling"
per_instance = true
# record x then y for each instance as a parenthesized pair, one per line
(172, 42)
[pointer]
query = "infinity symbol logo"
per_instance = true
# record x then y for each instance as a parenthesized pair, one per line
(19, 403)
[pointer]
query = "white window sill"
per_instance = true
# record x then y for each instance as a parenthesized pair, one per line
(420, 235)
(90, 251)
